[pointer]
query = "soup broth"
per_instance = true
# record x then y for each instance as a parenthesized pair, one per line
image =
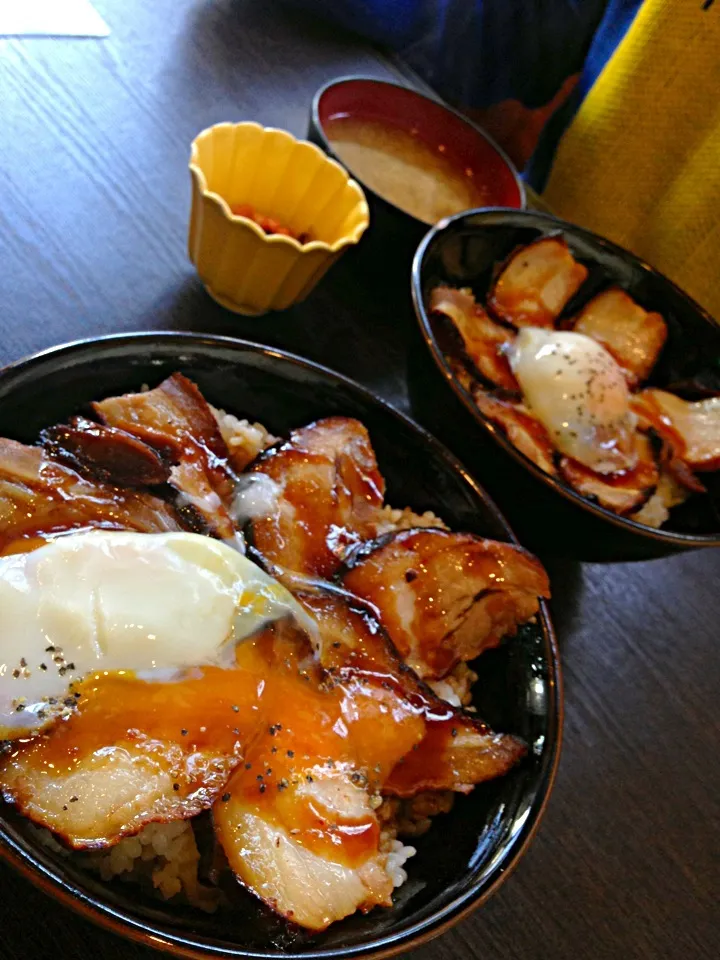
(404, 170)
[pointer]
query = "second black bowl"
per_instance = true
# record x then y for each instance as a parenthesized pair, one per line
(464, 251)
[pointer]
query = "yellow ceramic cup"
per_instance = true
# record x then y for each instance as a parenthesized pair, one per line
(242, 267)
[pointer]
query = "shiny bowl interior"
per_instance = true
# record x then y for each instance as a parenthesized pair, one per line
(465, 251)
(469, 852)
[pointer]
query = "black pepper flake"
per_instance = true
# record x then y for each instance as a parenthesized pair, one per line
(248, 766)
(308, 778)
(73, 799)
(282, 784)
(453, 732)
(291, 753)
(336, 644)
(410, 575)
(176, 786)
(268, 771)
(262, 788)
(23, 662)
(236, 708)
(77, 695)
(236, 731)
(69, 701)
(16, 674)
(71, 666)
(64, 806)
(275, 728)
(259, 776)
(183, 733)
(50, 649)
(225, 797)
(43, 666)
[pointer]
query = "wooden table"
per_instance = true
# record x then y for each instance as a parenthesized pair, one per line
(93, 211)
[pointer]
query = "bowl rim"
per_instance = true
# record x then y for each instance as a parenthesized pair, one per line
(385, 945)
(346, 240)
(674, 538)
(423, 95)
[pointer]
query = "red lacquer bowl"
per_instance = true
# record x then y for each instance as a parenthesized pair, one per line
(465, 145)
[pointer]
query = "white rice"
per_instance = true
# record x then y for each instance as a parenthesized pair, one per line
(393, 518)
(244, 440)
(166, 855)
(399, 854)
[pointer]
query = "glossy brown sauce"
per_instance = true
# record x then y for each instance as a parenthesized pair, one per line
(272, 712)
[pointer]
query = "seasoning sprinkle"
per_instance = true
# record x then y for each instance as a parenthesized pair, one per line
(183, 732)
(225, 797)
(176, 786)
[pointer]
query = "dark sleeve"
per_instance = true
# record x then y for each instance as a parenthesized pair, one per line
(475, 53)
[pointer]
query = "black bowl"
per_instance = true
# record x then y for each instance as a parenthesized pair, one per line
(462, 860)
(464, 251)
(394, 234)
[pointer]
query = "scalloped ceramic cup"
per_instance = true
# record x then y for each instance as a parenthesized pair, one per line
(242, 267)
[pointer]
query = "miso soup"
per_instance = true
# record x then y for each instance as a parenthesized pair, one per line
(404, 170)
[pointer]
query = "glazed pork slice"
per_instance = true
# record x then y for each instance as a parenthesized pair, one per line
(176, 420)
(631, 334)
(522, 429)
(536, 283)
(445, 597)
(690, 429)
(623, 492)
(131, 752)
(39, 496)
(105, 453)
(298, 819)
(326, 491)
(457, 750)
(484, 340)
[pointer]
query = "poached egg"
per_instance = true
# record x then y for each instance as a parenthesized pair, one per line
(580, 395)
(154, 605)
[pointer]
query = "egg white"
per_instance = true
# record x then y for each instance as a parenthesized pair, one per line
(152, 604)
(579, 393)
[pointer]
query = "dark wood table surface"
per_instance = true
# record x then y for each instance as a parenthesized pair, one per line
(94, 196)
